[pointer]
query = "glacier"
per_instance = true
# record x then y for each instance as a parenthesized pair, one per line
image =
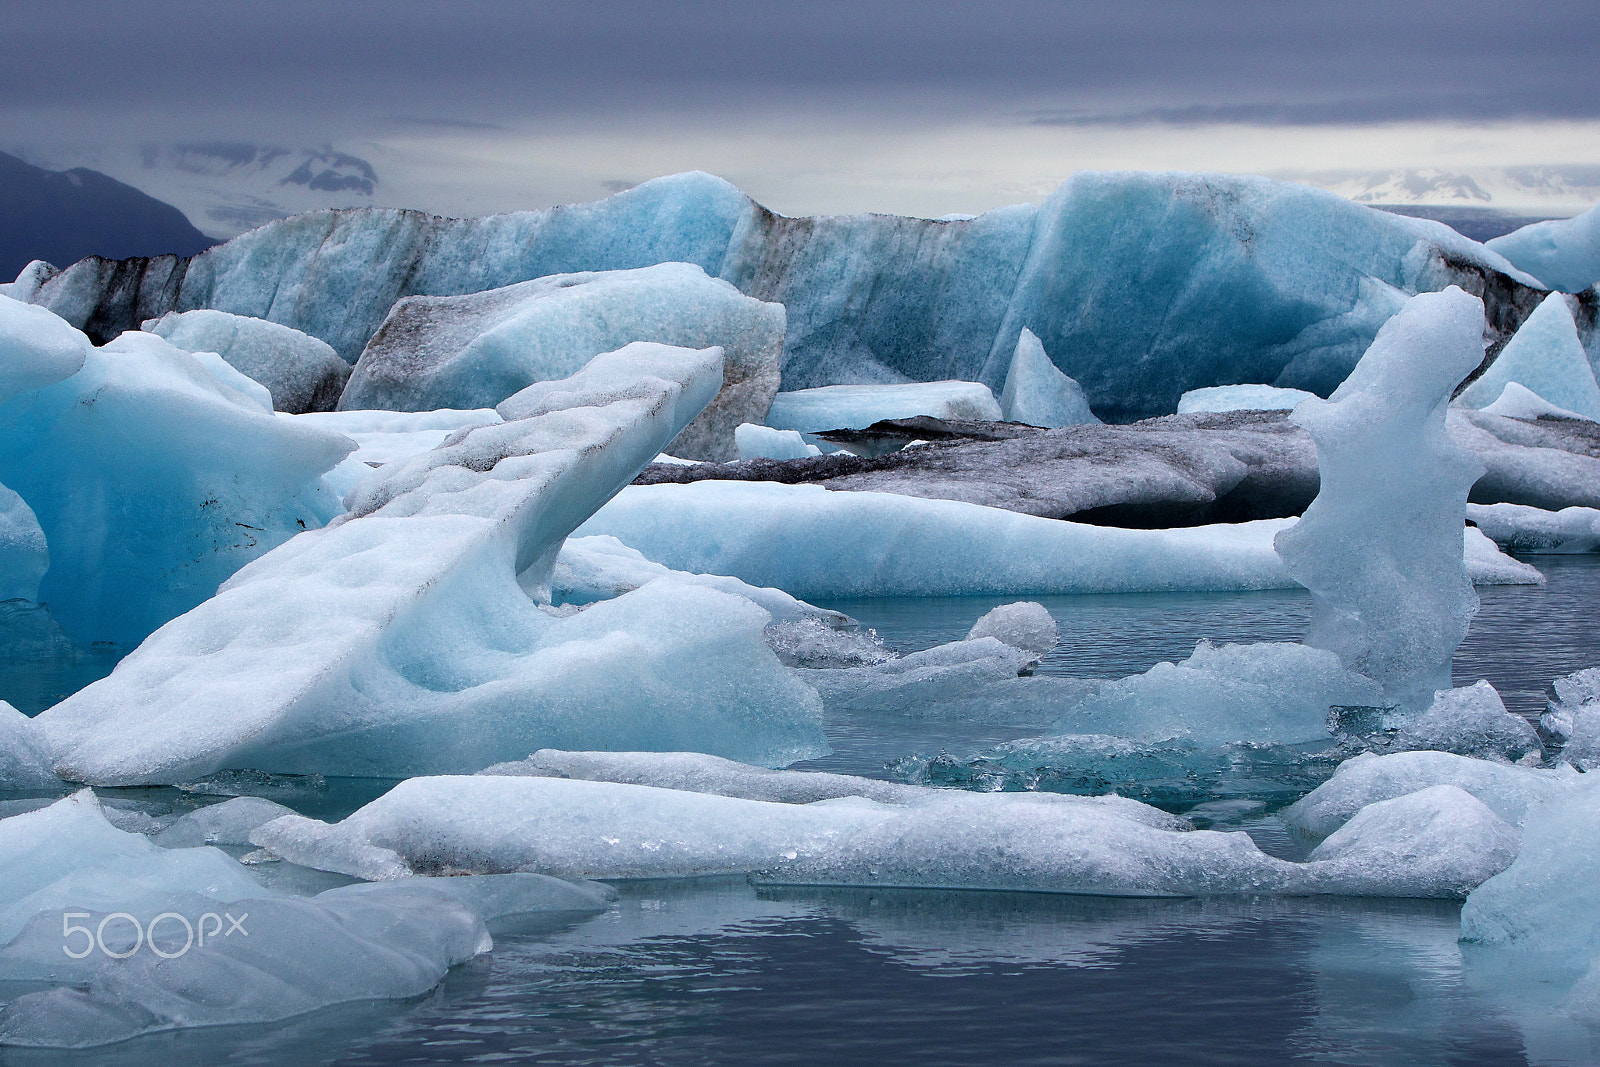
(406, 637)
(1241, 279)
(301, 372)
(1379, 547)
(151, 479)
(476, 350)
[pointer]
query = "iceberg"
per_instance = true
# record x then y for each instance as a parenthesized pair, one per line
(1242, 398)
(1508, 790)
(1471, 721)
(1573, 718)
(1519, 402)
(855, 407)
(1037, 393)
(1523, 529)
(398, 640)
(151, 480)
(1025, 625)
(1563, 254)
(1380, 547)
(1545, 356)
(1141, 286)
(301, 372)
(1035, 842)
(24, 760)
(763, 442)
(476, 350)
(815, 543)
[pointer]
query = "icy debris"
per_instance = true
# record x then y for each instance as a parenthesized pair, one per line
(1488, 565)
(1242, 398)
(477, 350)
(1037, 393)
(228, 823)
(301, 372)
(36, 348)
(152, 481)
(1523, 529)
(1563, 254)
(814, 642)
(695, 772)
(24, 760)
(1508, 790)
(855, 407)
(24, 556)
(1380, 547)
(1546, 357)
(1470, 721)
(1026, 625)
(960, 670)
(1441, 837)
(763, 442)
(1573, 718)
(399, 640)
(1519, 402)
(1226, 693)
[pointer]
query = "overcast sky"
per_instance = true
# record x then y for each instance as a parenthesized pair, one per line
(810, 104)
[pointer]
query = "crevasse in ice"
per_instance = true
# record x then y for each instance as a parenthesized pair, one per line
(399, 641)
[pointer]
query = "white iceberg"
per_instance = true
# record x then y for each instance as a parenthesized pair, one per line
(1546, 357)
(1563, 254)
(477, 350)
(1242, 398)
(855, 407)
(1523, 529)
(1380, 548)
(1037, 393)
(301, 372)
(1471, 721)
(763, 442)
(399, 640)
(1517, 401)
(1026, 625)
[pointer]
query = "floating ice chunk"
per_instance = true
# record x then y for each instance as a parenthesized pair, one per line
(695, 772)
(42, 846)
(1380, 547)
(1546, 357)
(36, 348)
(1573, 718)
(1471, 721)
(1562, 253)
(1242, 398)
(399, 640)
(1524, 529)
(1366, 779)
(24, 759)
(959, 670)
(295, 956)
(855, 407)
(24, 556)
(1226, 693)
(1548, 900)
(1517, 401)
(1038, 393)
(228, 823)
(816, 642)
(479, 349)
(763, 442)
(300, 372)
(153, 482)
(1436, 842)
(1026, 625)
(495, 898)
(490, 824)
(1487, 565)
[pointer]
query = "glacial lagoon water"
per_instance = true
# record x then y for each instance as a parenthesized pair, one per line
(711, 972)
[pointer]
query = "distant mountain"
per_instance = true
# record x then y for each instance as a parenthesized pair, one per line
(1528, 192)
(62, 216)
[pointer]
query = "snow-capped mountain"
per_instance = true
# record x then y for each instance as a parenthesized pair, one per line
(1534, 190)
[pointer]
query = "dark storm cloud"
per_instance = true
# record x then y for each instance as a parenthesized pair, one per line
(488, 63)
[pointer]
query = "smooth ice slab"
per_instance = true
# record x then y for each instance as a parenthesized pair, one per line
(152, 480)
(1546, 356)
(1523, 529)
(1037, 393)
(476, 350)
(855, 407)
(1380, 547)
(36, 348)
(399, 641)
(1564, 254)
(763, 442)
(1242, 398)
(301, 372)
